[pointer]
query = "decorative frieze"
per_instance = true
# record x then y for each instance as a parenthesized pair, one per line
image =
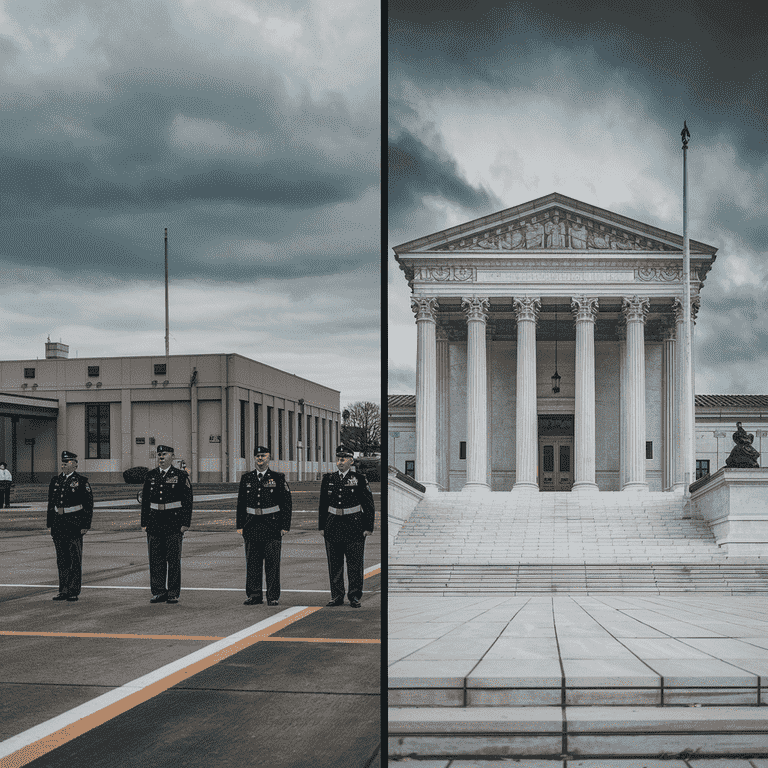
(659, 274)
(476, 308)
(424, 308)
(526, 308)
(454, 273)
(584, 308)
(635, 308)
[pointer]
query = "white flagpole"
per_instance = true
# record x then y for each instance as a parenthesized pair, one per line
(167, 332)
(689, 466)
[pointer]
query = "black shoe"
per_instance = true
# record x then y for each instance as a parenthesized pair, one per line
(60, 596)
(354, 603)
(159, 599)
(172, 600)
(334, 603)
(273, 602)
(72, 598)
(254, 601)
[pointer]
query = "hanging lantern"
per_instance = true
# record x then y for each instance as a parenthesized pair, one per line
(556, 375)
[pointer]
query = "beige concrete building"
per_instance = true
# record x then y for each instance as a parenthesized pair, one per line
(113, 412)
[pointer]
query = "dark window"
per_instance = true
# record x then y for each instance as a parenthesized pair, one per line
(243, 412)
(290, 435)
(702, 468)
(548, 456)
(324, 453)
(410, 468)
(565, 458)
(255, 425)
(317, 438)
(97, 429)
(649, 449)
(280, 414)
(308, 453)
(29, 373)
(159, 369)
(93, 370)
(299, 424)
(269, 428)
(462, 450)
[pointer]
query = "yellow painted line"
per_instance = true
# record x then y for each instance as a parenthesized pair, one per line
(319, 640)
(37, 741)
(375, 570)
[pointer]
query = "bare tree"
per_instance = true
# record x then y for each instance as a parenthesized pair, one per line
(361, 428)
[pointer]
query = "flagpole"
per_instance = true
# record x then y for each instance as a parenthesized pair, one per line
(167, 333)
(688, 399)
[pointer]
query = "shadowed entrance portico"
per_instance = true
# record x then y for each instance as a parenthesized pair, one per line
(556, 453)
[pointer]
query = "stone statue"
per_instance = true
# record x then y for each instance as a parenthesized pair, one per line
(555, 231)
(513, 240)
(578, 234)
(534, 235)
(743, 454)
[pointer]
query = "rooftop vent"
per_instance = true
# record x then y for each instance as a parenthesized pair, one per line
(55, 350)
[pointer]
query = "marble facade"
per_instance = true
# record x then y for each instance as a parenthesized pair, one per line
(494, 297)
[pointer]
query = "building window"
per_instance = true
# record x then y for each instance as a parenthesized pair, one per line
(290, 435)
(299, 424)
(255, 425)
(308, 453)
(317, 438)
(160, 369)
(97, 428)
(269, 428)
(462, 450)
(243, 412)
(93, 371)
(649, 449)
(324, 453)
(280, 414)
(702, 468)
(410, 468)
(29, 373)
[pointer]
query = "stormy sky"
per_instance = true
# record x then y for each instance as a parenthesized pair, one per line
(251, 130)
(493, 104)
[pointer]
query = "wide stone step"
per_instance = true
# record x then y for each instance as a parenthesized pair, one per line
(579, 733)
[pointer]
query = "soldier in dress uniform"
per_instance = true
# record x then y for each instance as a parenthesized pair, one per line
(70, 510)
(166, 513)
(346, 518)
(263, 517)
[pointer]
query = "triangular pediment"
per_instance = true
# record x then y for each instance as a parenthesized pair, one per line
(553, 223)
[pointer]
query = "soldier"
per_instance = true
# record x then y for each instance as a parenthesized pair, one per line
(166, 513)
(346, 518)
(70, 510)
(263, 517)
(5, 485)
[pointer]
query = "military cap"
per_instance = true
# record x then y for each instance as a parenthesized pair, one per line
(342, 450)
(3, 465)
(260, 449)
(68, 456)
(165, 449)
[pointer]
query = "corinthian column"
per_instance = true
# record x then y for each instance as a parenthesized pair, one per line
(669, 411)
(443, 427)
(476, 310)
(635, 311)
(425, 310)
(584, 311)
(526, 429)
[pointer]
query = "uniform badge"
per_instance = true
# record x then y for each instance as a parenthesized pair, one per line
(172, 480)
(352, 481)
(270, 484)
(287, 488)
(247, 485)
(73, 485)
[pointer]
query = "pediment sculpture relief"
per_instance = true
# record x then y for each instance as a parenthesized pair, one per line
(557, 231)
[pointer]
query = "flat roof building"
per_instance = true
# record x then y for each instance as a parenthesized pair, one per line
(213, 409)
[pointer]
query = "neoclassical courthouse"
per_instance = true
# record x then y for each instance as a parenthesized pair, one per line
(547, 353)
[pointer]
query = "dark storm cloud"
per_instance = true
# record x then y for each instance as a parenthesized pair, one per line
(401, 379)
(701, 61)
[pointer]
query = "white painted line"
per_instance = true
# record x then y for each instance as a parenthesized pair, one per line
(184, 589)
(48, 728)
(372, 568)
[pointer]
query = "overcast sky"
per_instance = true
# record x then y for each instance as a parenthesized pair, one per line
(251, 130)
(495, 104)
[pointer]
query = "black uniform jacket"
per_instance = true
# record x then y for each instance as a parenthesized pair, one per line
(272, 491)
(174, 488)
(335, 492)
(65, 492)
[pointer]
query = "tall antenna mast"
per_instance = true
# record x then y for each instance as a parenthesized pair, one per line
(167, 333)
(689, 472)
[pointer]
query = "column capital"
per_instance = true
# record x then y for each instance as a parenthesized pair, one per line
(526, 308)
(635, 308)
(584, 308)
(677, 307)
(425, 308)
(475, 307)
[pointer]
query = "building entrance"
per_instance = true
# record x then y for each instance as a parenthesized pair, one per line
(556, 453)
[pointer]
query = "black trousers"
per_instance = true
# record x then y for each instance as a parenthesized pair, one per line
(69, 561)
(5, 494)
(165, 563)
(337, 552)
(262, 555)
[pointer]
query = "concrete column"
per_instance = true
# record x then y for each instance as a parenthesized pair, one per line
(425, 309)
(126, 439)
(635, 311)
(476, 310)
(584, 311)
(526, 431)
(669, 415)
(443, 422)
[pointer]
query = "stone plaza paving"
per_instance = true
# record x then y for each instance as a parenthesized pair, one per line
(584, 679)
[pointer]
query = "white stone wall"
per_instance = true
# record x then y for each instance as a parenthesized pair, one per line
(502, 366)
(607, 416)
